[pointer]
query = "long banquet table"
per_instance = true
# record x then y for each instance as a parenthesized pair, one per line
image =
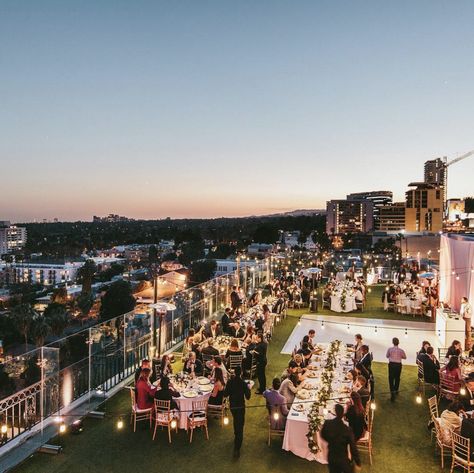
(296, 428)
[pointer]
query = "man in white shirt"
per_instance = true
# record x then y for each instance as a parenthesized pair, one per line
(466, 314)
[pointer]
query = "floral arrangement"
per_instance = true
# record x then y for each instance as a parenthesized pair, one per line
(316, 412)
(343, 299)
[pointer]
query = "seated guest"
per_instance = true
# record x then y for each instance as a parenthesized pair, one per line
(249, 333)
(213, 330)
(352, 375)
(452, 371)
(450, 421)
(300, 363)
(254, 299)
(226, 321)
(359, 297)
(364, 366)
(188, 342)
(360, 386)
(193, 366)
(430, 366)
(233, 350)
(144, 389)
(289, 388)
(276, 404)
(292, 368)
(455, 349)
(471, 352)
(145, 364)
(259, 322)
(355, 415)
(217, 394)
(196, 346)
(165, 366)
(218, 363)
(424, 345)
(357, 347)
(311, 342)
(166, 393)
(467, 398)
(209, 349)
(237, 331)
(467, 431)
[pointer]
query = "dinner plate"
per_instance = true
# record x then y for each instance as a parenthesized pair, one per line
(206, 388)
(202, 380)
(298, 407)
(303, 394)
(312, 374)
(190, 393)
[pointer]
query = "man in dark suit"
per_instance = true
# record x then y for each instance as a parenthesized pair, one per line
(237, 331)
(144, 364)
(339, 436)
(212, 330)
(360, 386)
(430, 366)
(193, 365)
(209, 349)
(226, 320)
(467, 430)
(467, 398)
(365, 367)
(235, 300)
(260, 353)
(237, 391)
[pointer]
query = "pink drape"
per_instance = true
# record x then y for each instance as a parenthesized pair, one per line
(456, 269)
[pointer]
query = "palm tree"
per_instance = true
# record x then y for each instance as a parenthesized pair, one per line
(22, 317)
(86, 273)
(56, 317)
(40, 329)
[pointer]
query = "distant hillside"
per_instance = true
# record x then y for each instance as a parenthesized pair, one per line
(298, 213)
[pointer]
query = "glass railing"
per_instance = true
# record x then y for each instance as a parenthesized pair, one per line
(92, 361)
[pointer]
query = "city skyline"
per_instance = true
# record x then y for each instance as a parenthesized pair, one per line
(219, 109)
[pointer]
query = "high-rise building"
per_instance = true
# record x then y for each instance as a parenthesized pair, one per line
(379, 199)
(12, 238)
(349, 216)
(424, 207)
(436, 173)
(392, 217)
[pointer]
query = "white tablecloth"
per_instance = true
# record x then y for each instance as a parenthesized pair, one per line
(186, 406)
(296, 428)
(350, 304)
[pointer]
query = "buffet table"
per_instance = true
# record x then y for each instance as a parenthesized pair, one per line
(449, 327)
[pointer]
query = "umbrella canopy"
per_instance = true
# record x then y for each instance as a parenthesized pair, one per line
(427, 275)
(163, 306)
(309, 271)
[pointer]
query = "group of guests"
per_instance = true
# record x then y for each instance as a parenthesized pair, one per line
(358, 289)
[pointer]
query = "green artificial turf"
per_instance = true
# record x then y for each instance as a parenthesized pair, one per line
(401, 438)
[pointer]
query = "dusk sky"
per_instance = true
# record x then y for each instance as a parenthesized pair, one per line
(227, 108)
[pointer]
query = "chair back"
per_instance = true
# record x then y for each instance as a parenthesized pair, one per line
(448, 385)
(235, 360)
(133, 397)
(433, 405)
(421, 370)
(162, 411)
(461, 450)
(442, 353)
(199, 410)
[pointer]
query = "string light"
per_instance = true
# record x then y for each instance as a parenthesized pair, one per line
(373, 406)
(322, 325)
(225, 420)
(376, 329)
(4, 429)
(348, 327)
(406, 333)
(120, 424)
(62, 428)
(419, 399)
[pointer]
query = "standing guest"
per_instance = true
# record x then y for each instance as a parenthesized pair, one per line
(260, 352)
(365, 367)
(467, 397)
(217, 394)
(455, 349)
(395, 356)
(237, 391)
(466, 313)
(430, 366)
(235, 300)
(145, 391)
(355, 415)
(357, 346)
(276, 404)
(193, 366)
(339, 437)
(145, 364)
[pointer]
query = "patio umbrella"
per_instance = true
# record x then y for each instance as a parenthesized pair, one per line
(311, 271)
(427, 275)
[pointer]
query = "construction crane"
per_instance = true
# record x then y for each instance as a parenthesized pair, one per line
(450, 163)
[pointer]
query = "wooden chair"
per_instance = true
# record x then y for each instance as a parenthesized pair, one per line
(198, 418)
(235, 360)
(448, 387)
(137, 414)
(442, 353)
(219, 410)
(360, 305)
(421, 377)
(327, 303)
(434, 413)
(461, 453)
(417, 310)
(444, 448)
(164, 417)
(365, 443)
(275, 410)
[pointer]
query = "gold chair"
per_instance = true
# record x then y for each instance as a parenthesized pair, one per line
(198, 418)
(434, 413)
(365, 443)
(461, 453)
(275, 411)
(448, 387)
(164, 417)
(444, 448)
(218, 409)
(137, 414)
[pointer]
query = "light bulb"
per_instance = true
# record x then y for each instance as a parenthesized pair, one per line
(4, 429)
(419, 400)
(373, 405)
(174, 424)
(276, 416)
(462, 391)
(120, 424)
(62, 428)
(226, 420)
